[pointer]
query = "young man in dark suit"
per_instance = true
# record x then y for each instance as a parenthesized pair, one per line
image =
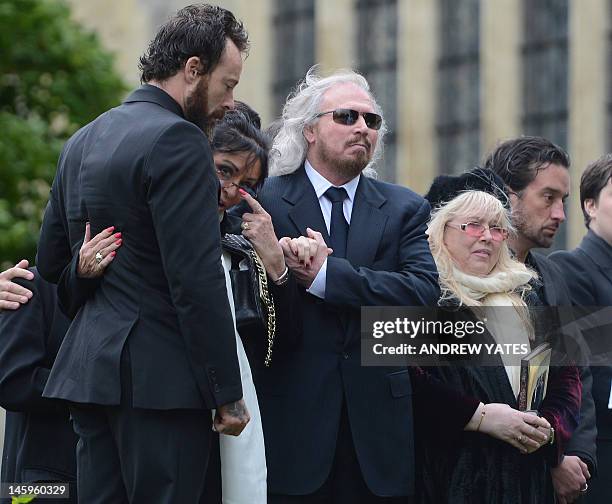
(336, 431)
(588, 272)
(153, 349)
(536, 173)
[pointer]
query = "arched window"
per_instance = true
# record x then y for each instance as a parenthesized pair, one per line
(545, 69)
(546, 75)
(458, 111)
(377, 61)
(294, 44)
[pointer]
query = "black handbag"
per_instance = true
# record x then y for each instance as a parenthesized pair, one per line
(253, 301)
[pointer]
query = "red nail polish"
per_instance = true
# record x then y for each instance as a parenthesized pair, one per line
(118, 242)
(110, 229)
(117, 235)
(242, 191)
(113, 253)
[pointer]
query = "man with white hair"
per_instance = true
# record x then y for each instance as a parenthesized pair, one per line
(336, 431)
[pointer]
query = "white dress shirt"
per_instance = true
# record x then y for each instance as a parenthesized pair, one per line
(321, 184)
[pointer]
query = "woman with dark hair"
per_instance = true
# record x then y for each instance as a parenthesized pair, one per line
(252, 256)
(240, 150)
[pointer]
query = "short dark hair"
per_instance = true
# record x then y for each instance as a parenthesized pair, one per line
(593, 180)
(236, 133)
(518, 161)
(196, 30)
(251, 114)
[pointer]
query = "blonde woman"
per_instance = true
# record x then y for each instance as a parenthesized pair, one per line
(467, 236)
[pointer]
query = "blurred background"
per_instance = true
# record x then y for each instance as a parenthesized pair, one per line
(453, 76)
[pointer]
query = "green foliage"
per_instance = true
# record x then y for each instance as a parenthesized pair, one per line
(54, 77)
(23, 499)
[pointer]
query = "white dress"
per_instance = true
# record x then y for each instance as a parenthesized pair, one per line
(243, 458)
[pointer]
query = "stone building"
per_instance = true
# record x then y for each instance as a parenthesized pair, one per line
(453, 76)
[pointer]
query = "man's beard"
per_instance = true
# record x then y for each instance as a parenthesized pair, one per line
(196, 108)
(524, 228)
(348, 167)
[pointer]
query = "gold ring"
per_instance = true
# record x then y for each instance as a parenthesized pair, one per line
(99, 257)
(519, 439)
(584, 488)
(245, 226)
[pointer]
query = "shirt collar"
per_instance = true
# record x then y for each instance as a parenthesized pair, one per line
(321, 184)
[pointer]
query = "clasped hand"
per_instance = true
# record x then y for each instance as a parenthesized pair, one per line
(524, 431)
(305, 255)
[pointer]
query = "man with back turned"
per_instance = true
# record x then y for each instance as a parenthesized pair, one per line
(152, 350)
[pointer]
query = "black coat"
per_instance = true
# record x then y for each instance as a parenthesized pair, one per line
(588, 272)
(388, 263)
(557, 293)
(474, 468)
(144, 169)
(39, 443)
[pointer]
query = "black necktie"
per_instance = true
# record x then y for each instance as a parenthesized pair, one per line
(338, 229)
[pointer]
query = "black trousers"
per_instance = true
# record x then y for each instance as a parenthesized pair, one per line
(212, 484)
(135, 455)
(345, 483)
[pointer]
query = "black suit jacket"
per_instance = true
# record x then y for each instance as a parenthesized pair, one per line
(39, 443)
(388, 263)
(144, 169)
(583, 442)
(588, 272)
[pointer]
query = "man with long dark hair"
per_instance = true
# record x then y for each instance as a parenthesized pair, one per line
(152, 350)
(536, 173)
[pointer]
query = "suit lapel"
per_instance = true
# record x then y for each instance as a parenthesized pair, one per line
(367, 224)
(306, 211)
(367, 219)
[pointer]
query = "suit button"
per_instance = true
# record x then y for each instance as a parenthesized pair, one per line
(345, 355)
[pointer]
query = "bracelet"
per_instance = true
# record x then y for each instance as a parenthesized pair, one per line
(281, 280)
(482, 415)
(551, 438)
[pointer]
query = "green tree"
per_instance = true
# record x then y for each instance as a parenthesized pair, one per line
(54, 77)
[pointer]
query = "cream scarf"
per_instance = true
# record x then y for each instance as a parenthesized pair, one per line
(504, 324)
(494, 287)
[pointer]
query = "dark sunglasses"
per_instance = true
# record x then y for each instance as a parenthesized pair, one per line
(348, 117)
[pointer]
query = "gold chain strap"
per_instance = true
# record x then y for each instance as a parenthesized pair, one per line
(268, 302)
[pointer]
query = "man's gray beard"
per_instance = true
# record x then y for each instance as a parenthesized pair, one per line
(347, 168)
